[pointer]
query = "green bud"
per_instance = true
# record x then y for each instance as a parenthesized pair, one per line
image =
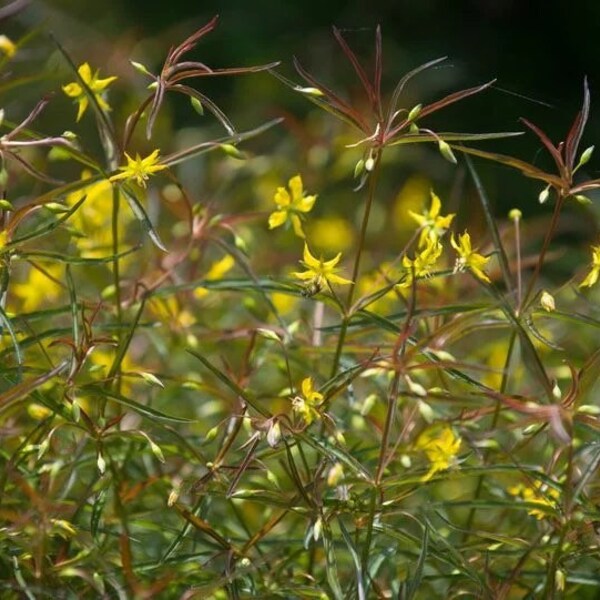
(586, 155)
(240, 243)
(108, 292)
(152, 379)
(414, 128)
(515, 214)
(268, 334)
(310, 91)
(232, 151)
(58, 153)
(157, 451)
(446, 151)
(211, 434)
(582, 199)
(359, 168)
(5, 204)
(197, 105)
(335, 475)
(547, 301)
(140, 67)
(56, 207)
(415, 111)
(405, 461)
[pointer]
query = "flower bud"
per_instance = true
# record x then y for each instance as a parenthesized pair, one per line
(197, 105)
(547, 301)
(586, 155)
(446, 151)
(274, 434)
(415, 111)
(335, 475)
(359, 168)
(101, 463)
(515, 214)
(544, 195)
(310, 91)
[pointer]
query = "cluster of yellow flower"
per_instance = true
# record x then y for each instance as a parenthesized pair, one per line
(433, 226)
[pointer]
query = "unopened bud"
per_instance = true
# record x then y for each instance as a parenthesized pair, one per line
(139, 67)
(582, 199)
(547, 301)
(544, 195)
(556, 391)
(157, 451)
(173, 497)
(369, 164)
(310, 91)
(415, 111)
(197, 105)
(335, 475)
(586, 155)
(515, 214)
(317, 529)
(359, 168)
(426, 412)
(232, 151)
(446, 151)
(274, 434)
(101, 463)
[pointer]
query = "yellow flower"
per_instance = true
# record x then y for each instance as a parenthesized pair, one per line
(7, 47)
(305, 405)
(538, 493)
(433, 226)
(291, 207)
(592, 276)
(41, 288)
(79, 93)
(440, 445)
(319, 273)
(139, 168)
(423, 263)
(468, 258)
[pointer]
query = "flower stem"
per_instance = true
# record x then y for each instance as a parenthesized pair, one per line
(355, 271)
(540, 263)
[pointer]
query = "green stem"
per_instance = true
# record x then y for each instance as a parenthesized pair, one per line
(540, 263)
(373, 179)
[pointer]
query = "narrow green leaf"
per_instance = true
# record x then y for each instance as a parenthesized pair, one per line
(146, 411)
(415, 581)
(360, 586)
(140, 215)
(331, 563)
(491, 223)
(97, 509)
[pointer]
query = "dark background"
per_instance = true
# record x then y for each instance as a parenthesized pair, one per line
(539, 52)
